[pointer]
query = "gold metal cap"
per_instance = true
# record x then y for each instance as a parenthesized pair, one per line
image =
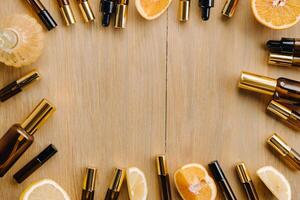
(291, 156)
(67, 14)
(161, 163)
(243, 172)
(230, 7)
(121, 16)
(28, 79)
(89, 180)
(279, 110)
(86, 11)
(117, 181)
(184, 10)
(279, 145)
(38, 117)
(257, 83)
(280, 59)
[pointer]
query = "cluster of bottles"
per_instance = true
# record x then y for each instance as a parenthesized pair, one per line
(107, 7)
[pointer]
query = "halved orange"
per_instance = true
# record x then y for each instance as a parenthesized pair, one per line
(193, 183)
(151, 9)
(276, 14)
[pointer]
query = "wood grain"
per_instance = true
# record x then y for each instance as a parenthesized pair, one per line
(208, 117)
(124, 96)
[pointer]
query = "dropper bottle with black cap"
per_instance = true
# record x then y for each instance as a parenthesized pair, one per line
(284, 46)
(107, 7)
(205, 6)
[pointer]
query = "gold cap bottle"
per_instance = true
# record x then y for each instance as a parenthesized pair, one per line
(17, 86)
(284, 59)
(20, 136)
(89, 181)
(257, 83)
(115, 185)
(66, 12)
(38, 117)
(289, 155)
(86, 10)
(246, 181)
(163, 177)
(230, 7)
(282, 89)
(184, 10)
(121, 13)
(286, 114)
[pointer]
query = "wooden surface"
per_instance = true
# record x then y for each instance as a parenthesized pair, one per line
(160, 86)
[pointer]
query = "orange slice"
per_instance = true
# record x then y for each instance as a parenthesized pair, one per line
(193, 183)
(276, 14)
(151, 9)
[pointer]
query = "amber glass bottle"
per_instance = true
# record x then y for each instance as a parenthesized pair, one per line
(20, 136)
(282, 89)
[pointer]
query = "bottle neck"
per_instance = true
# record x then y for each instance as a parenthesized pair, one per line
(8, 39)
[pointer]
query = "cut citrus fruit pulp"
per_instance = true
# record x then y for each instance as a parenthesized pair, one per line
(136, 183)
(276, 14)
(275, 182)
(193, 183)
(44, 189)
(151, 9)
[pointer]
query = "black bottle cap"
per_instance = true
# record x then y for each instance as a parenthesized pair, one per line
(205, 8)
(35, 163)
(107, 8)
(205, 13)
(106, 20)
(274, 46)
(285, 45)
(47, 19)
(221, 180)
(47, 153)
(216, 171)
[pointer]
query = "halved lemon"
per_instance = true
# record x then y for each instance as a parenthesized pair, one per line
(275, 182)
(151, 9)
(276, 14)
(193, 183)
(136, 183)
(44, 189)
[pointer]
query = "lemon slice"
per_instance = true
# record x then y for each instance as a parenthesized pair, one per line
(44, 189)
(193, 182)
(276, 182)
(276, 14)
(152, 9)
(136, 183)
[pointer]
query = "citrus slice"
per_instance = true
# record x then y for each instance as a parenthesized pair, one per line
(44, 189)
(275, 182)
(151, 9)
(193, 183)
(136, 183)
(276, 14)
